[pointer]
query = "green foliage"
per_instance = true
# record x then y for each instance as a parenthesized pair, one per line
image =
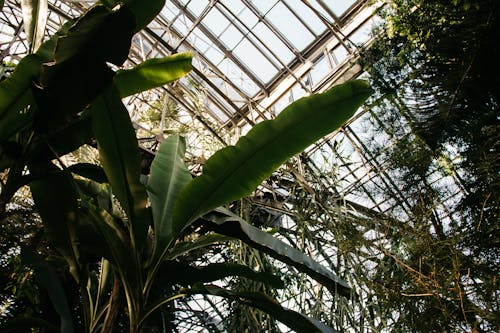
(119, 155)
(168, 176)
(226, 223)
(65, 96)
(48, 278)
(236, 171)
(436, 69)
(294, 320)
(143, 14)
(60, 224)
(152, 73)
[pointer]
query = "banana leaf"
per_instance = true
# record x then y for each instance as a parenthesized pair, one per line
(16, 97)
(152, 73)
(173, 272)
(183, 248)
(119, 155)
(144, 11)
(168, 176)
(235, 171)
(80, 69)
(60, 220)
(296, 321)
(89, 171)
(224, 222)
(49, 280)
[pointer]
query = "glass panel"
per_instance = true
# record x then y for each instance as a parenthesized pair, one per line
(231, 37)
(297, 92)
(249, 54)
(339, 54)
(307, 15)
(248, 18)
(290, 26)
(214, 55)
(216, 21)
(263, 5)
(169, 12)
(182, 24)
(339, 6)
(239, 78)
(234, 5)
(199, 40)
(320, 70)
(273, 42)
(197, 6)
(362, 34)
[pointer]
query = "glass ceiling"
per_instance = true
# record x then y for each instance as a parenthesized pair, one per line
(252, 59)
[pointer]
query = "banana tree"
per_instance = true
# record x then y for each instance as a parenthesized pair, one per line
(124, 243)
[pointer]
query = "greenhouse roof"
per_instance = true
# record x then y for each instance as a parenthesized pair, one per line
(251, 60)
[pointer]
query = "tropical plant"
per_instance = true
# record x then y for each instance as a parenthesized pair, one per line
(118, 247)
(434, 67)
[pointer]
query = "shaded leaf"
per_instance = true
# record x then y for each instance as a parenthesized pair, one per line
(89, 171)
(235, 171)
(16, 97)
(60, 221)
(99, 194)
(183, 248)
(48, 278)
(100, 34)
(122, 255)
(80, 71)
(93, 246)
(226, 223)
(63, 141)
(26, 324)
(296, 321)
(35, 14)
(168, 176)
(143, 13)
(152, 73)
(119, 154)
(172, 272)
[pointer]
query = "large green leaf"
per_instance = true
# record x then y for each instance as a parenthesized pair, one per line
(60, 220)
(119, 154)
(89, 171)
(48, 278)
(144, 11)
(63, 141)
(100, 34)
(118, 250)
(121, 256)
(168, 176)
(173, 272)
(35, 14)
(80, 70)
(182, 248)
(298, 322)
(152, 73)
(226, 223)
(236, 171)
(26, 324)
(16, 97)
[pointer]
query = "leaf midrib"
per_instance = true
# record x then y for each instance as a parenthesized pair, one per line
(221, 180)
